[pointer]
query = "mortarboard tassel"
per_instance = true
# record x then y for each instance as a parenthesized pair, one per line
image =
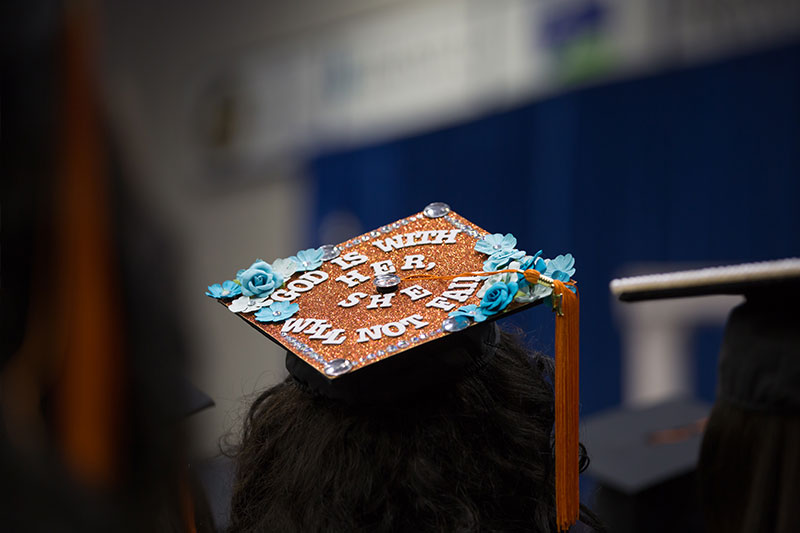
(566, 306)
(567, 381)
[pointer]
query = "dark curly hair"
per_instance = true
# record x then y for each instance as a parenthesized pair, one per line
(475, 455)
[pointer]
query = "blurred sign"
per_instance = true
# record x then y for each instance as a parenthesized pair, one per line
(413, 67)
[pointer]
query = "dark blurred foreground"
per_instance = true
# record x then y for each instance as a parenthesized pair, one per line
(91, 437)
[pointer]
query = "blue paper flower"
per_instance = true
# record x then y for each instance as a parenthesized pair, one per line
(246, 304)
(530, 293)
(228, 289)
(561, 268)
(259, 280)
(285, 267)
(277, 312)
(530, 262)
(310, 259)
(499, 260)
(470, 311)
(498, 297)
(495, 243)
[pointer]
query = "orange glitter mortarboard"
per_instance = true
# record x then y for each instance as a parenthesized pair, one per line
(342, 309)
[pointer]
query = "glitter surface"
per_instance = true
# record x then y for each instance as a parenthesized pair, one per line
(321, 302)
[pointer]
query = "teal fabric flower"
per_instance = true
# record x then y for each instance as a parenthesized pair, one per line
(561, 267)
(495, 243)
(498, 297)
(499, 260)
(277, 312)
(228, 289)
(470, 311)
(259, 280)
(310, 259)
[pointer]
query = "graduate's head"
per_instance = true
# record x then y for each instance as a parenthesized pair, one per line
(475, 453)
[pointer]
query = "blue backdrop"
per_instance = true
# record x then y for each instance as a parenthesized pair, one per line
(699, 165)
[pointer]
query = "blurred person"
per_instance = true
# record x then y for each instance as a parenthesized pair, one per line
(90, 396)
(750, 454)
(750, 458)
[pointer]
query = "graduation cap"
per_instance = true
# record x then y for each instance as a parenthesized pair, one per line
(758, 383)
(759, 363)
(403, 306)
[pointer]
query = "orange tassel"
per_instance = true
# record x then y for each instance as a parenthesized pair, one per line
(566, 306)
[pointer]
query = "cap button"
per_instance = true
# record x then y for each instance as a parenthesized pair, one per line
(436, 210)
(386, 283)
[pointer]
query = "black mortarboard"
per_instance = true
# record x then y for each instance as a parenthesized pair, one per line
(644, 461)
(410, 304)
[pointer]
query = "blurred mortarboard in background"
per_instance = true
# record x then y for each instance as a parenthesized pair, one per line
(766, 279)
(193, 400)
(752, 439)
(409, 306)
(644, 460)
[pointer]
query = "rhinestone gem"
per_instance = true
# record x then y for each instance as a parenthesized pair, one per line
(402, 344)
(380, 353)
(329, 251)
(455, 323)
(386, 283)
(338, 367)
(391, 348)
(376, 233)
(386, 229)
(436, 210)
